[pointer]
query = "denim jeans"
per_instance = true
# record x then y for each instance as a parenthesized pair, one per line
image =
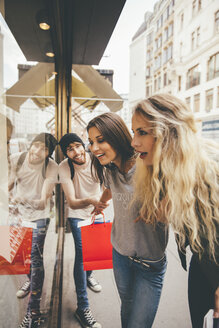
(80, 276)
(139, 288)
(36, 275)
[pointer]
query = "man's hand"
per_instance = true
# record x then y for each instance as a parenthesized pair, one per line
(216, 303)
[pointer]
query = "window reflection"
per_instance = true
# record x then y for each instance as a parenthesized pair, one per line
(28, 177)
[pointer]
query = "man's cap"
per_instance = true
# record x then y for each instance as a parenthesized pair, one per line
(48, 139)
(67, 139)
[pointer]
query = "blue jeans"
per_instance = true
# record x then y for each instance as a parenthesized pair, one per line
(139, 288)
(36, 275)
(80, 276)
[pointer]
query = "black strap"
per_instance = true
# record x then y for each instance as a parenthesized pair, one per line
(21, 161)
(44, 167)
(71, 166)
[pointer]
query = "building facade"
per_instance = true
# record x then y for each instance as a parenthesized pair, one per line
(178, 51)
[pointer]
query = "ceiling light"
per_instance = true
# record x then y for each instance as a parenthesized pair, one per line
(50, 54)
(49, 50)
(42, 20)
(44, 26)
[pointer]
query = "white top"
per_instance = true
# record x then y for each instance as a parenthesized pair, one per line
(29, 183)
(84, 186)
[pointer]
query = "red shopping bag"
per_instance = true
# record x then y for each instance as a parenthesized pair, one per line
(15, 250)
(96, 246)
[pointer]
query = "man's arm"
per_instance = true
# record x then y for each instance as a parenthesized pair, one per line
(46, 194)
(74, 203)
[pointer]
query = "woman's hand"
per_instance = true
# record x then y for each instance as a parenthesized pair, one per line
(99, 207)
(216, 303)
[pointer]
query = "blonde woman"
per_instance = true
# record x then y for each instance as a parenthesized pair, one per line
(139, 260)
(177, 180)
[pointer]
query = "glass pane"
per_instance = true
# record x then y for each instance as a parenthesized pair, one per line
(28, 177)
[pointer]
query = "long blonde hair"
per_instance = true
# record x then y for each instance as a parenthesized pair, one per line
(184, 178)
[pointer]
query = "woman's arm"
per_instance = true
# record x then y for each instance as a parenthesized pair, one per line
(216, 304)
(103, 202)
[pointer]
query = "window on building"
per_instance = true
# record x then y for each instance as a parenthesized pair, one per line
(169, 52)
(217, 97)
(165, 15)
(193, 7)
(147, 91)
(180, 51)
(149, 38)
(196, 6)
(179, 82)
(159, 82)
(193, 76)
(197, 36)
(171, 7)
(197, 102)
(209, 100)
(199, 4)
(188, 101)
(157, 62)
(155, 85)
(161, 20)
(148, 72)
(193, 41)
(170, 30)
(181, 21)
(148, 57)
(165, 55)
(167, 12)
(165, 79)
(159, 41)
(217, 21)
(213, 67)
(157, 24)
(165, 35)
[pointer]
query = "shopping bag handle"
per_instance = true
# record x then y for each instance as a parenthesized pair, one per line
(94, 217)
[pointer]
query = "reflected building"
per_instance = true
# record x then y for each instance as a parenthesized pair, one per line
(176, 51)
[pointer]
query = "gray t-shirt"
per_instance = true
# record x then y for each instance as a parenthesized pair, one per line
(128, 237)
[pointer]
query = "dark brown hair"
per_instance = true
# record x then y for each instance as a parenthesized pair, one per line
(116, 134)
